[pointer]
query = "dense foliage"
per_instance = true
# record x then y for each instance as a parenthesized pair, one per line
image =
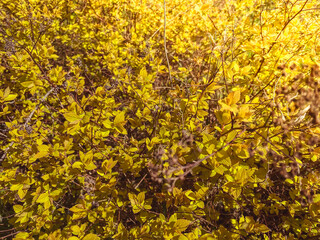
(145, 119)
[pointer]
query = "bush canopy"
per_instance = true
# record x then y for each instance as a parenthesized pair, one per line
(149, 119)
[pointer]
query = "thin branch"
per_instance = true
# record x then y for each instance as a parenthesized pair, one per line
(7, 230)
(279, 34)
(27, 121)
(9, 235)
(164, 38)
(140, 181)
(188, 169)
(35, 109)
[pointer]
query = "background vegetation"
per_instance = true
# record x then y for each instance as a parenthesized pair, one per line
(144, 119)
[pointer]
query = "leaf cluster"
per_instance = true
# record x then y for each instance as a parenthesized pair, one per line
(109, 130)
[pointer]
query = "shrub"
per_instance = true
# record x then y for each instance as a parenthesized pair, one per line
(159, 120)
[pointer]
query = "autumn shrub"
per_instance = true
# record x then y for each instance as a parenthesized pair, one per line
(148, 119)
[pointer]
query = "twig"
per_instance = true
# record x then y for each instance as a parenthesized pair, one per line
(180, 13)
(3, 135)
(9, 235)
(27, 121)
(5, 152)
(140, 181)
(7, 230)
(35, 109)
(276, 39)
(196, 163)
(164, 38)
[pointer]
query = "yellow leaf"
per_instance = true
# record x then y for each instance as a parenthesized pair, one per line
(212, 87)
(207, 236)
(233, 97)
(17, 208)
(220, 170)
(11, 97)
(91, 236)
(141, 197)
(107, 165)
(77, 165)
(231, 135)
(119, 119)
(44, 197)
(21, 235)
(43, 148)
(90, 166)
(316, 198)
(231, 108)
(223, 117)
(181, 224)
(182, 237)
(22, 193)
(132, 199)
(43, 151)
(16, 187)
(202, 113)
(28, 84)
(78, 208)
(75, 230)
(261, 228)
(245, 70)
(173, 218)
(107, 123)
(235, 192)
(200, 204)
(121, 129)
(244, 112)
(205, 7)
(191, 195)
(73, 118)
(6, 92)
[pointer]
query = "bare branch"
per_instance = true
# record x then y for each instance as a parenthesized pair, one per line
(164, 38)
